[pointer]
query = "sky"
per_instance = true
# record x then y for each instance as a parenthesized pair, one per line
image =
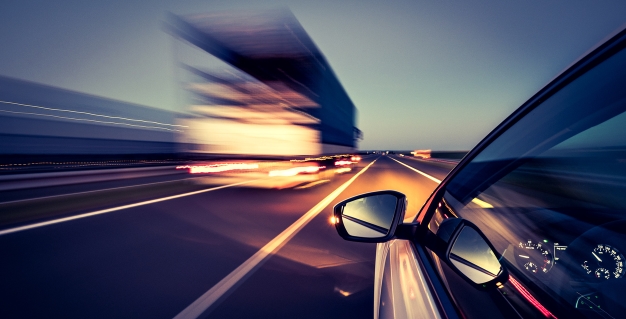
(422, 74)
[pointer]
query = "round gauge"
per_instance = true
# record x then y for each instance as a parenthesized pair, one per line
(605, 262)
(586, 267)
(538, 259)
(602, 273)
(530, 266)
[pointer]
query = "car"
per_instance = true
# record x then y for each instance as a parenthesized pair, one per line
(530, 224)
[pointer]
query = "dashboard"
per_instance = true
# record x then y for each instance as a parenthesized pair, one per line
(587, 272)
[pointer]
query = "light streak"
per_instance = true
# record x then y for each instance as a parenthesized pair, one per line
(481, 203)
(88, 120)
(321, 158)
(294, 171)
(87, 113)
(530, 298)
(215, 168)
(342, 163)
(103, 163)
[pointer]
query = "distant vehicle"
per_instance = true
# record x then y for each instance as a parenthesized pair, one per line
(422, 153)
(530, 224)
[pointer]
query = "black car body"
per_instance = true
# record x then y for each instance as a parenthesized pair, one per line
(546, 190)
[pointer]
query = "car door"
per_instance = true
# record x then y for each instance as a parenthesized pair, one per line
(548, 190)
(542, 200)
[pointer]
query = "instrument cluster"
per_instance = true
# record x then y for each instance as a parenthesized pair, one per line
(588, 271)
(602, 261)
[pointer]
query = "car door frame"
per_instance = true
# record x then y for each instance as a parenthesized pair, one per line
(447, 308)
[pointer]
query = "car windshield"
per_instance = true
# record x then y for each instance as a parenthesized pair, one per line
(549, 194)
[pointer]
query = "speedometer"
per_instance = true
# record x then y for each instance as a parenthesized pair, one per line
(604, 262)
(535, 257)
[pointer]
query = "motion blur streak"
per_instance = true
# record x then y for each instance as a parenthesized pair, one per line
(87, 113)
(342, 163)
(214, 168)
(88, 120)
(481, 203)
(277, 95)
(530, 298)
(422, 153)
(295, 171)
(114, 209)
(210, 297)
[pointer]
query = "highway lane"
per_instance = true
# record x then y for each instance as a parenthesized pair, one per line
(310, 286)
(124, 179)
(153, 261)
(434, 168)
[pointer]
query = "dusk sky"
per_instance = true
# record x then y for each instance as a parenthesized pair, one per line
(423, 74)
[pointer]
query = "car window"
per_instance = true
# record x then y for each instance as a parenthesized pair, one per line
(550, 194)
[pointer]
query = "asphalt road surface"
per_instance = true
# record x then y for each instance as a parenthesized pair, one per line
(230, 252)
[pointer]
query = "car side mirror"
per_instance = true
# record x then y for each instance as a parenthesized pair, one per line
(469, 253)
(370, 217)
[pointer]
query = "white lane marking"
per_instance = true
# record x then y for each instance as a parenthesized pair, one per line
(476, 201)
(108, 210)
(94, 191)
(212, 295)
(436, 180)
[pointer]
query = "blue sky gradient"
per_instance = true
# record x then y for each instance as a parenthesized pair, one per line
(423, 74)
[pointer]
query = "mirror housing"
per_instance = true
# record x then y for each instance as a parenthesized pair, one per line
(370, 217)
(463, 247)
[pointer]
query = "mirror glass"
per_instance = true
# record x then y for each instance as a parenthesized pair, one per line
(370, 216)
(472, 256)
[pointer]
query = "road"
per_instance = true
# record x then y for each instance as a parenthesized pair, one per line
(231, 252)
